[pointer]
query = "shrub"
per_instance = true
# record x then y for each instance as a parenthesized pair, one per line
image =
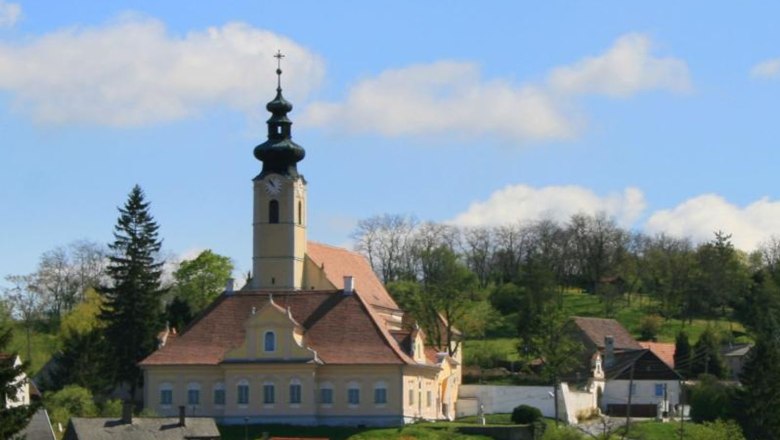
(525, 414)
(649, 326)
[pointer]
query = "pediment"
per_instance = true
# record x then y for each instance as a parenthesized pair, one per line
(288, 339)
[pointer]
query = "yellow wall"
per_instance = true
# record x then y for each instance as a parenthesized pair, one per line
(279, 249)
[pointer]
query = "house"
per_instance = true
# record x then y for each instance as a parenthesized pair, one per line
(313, 338)
(664, 350)
(22, 395)
(735, 356)
(142, 428)
(625, 373)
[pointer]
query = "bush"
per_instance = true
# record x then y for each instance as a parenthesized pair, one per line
(71, 401)
(711, 400)
(649, 326)
(525, 415)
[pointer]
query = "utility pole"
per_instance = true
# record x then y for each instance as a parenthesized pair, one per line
(630, 393)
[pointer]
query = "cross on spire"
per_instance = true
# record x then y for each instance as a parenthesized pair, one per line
(279, 55)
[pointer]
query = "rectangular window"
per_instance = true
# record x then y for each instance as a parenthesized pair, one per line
(193, 397)
(428, 399)
(633, 389)
(219, 397)
(268, 394)
(353, 396)
(295, 393)
(411, 397)
(326, 396)
(243, 394)
(659, 390)
(380, 396)
(166, 397)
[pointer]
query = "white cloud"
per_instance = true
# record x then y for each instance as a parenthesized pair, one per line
(132, 72)
(526, 203)
(9, 13)
(766, 69)
(626, 68)
(699, 217)
(449, 98)
(443, 98)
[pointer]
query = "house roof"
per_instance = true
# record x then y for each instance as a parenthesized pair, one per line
(39, 427)
(664, 351)
(339, 262)
(647, 366)
(143, 428)
(341, 328)
(736, 350)
(595, 330)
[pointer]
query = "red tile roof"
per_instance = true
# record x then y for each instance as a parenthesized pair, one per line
(342, 329)
(664, 351)
(338, 263)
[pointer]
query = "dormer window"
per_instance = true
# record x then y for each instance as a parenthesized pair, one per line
(269, 341)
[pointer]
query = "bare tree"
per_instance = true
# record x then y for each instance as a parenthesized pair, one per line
(478, 252)
(26, 302)
(386, 241)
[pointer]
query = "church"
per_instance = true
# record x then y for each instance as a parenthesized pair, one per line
(312, 339)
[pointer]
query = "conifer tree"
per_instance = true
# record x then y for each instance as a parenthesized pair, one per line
(132, 309)
(12, 419)
(682, 354)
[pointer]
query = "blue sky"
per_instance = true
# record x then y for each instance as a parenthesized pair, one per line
(662, 114)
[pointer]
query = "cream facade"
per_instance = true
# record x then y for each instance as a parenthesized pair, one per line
(314, 337)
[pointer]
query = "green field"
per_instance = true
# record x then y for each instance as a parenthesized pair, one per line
(423, 431)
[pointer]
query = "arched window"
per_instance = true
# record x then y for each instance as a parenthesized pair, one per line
(166, 394)
(353, 394)
(269, 393)
(380, 393)
(326, 394)
(300, 213)
(273, 211)
(193, 393)
(242, 392)
(219, 394)
(269, 341)
(295, 392)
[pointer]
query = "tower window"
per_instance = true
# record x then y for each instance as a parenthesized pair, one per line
(300, 213)
(279, 130)
(273, 211)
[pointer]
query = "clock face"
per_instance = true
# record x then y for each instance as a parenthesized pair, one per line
(273, 185)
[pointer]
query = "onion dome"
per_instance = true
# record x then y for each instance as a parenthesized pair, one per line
(279, 153)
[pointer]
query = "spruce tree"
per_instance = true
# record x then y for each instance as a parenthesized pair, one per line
(12, 419)
(682, 354)
(131, 311)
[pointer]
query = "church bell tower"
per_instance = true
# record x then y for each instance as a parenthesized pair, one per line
(279, 225)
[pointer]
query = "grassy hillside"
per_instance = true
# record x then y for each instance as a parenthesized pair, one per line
(42, 346)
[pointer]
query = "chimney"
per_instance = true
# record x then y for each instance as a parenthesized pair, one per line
(349, 284)
(127, 413)
(229, 286)
(182, 418)
(609, 351)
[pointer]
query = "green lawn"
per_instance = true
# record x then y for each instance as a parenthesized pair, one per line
(411, 432)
